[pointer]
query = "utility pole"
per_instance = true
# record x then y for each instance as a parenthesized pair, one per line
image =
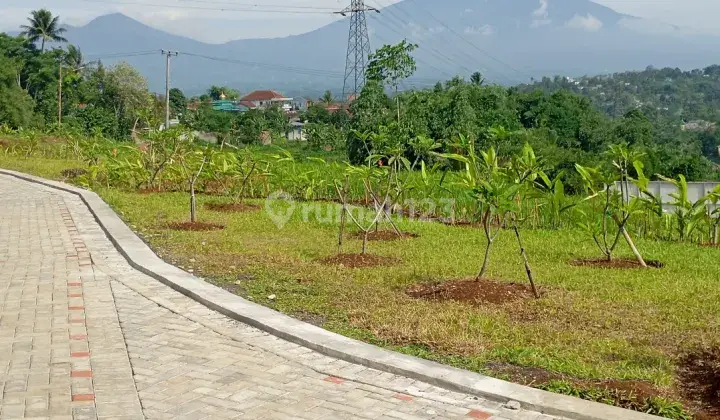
(60, 80)
(358, 47)
(167, 54)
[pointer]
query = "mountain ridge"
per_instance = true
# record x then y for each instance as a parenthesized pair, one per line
(508, 43)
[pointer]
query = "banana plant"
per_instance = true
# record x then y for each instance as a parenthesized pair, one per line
(552, 193)
(688, 215)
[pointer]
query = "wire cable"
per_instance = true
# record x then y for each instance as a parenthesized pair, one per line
(442, 57)
(470, 43)
(222, 9)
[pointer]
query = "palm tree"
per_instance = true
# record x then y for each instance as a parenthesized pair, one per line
(477, 78)
(74, 58)
(43, 27)
(327, 98)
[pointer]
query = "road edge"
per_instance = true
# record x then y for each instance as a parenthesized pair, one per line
(141, 257)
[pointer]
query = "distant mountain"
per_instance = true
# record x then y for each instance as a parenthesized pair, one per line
(508, 40)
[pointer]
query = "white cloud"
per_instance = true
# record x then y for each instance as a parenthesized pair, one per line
(541, 12)
(587, 23)
(540, 15)
(485, 30)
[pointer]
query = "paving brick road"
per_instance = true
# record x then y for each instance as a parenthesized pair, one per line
(83, 336)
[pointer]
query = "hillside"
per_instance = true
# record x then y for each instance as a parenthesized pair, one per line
(686, 95)
(509, 42)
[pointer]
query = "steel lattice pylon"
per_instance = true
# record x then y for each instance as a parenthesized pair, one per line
(358, 48)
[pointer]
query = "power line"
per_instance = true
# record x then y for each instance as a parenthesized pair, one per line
(420, 61)
(281, 6)
(438, 54)
(460, 52)
(470, 43)
(387, 26)
(120, 55)
(222, 9)
(313, 72)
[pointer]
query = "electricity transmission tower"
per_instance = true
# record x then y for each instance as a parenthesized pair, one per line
(358, 47)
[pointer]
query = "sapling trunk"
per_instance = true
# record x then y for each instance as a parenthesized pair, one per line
(621, 226)
(486, 261)
(343, 210)
(193, 217)
(528, 270)
(716, 234)
(488, 246)
(240, 196)
(634, 249)
(192, 180)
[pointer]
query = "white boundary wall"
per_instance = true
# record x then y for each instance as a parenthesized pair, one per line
(662, 189)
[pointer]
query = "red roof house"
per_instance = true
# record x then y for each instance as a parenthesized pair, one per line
(267, 98)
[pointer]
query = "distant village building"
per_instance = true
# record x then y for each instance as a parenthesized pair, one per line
(229, 106)
(264, 99)
(698, 126)
(296, 133)
(301, 104)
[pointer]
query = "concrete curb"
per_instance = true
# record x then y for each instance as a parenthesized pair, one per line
(142, 258)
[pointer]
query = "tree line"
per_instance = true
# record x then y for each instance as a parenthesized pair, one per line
(565, 124)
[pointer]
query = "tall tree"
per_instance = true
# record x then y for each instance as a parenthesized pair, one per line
(217, 92)
(177, 101)
(43, 27)
(391, 64)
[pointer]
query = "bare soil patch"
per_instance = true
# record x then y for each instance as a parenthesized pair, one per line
(628, 394)
(615, 263)
(472, 291)
(310, 317)
(385, 235)
(73, 173)
(528, 376)
(358, 260)
(197, 226)
(699, 378)
(231, 207)
(710, 245)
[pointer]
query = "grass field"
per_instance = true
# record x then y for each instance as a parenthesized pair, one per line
(590, 324)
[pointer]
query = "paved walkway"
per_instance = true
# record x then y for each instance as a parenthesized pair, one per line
(84, 336)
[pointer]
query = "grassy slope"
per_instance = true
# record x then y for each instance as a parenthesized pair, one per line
(592, 323)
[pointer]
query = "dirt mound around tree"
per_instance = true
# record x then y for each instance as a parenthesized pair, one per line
(197, 226)
(472, 291)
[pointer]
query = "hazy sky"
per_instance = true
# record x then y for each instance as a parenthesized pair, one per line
(220, 26)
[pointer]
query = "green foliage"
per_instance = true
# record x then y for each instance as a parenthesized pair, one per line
(320, 136)
(218, 92)
(16, 106)
(178, 102)
(391, 64)
(688, 215)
